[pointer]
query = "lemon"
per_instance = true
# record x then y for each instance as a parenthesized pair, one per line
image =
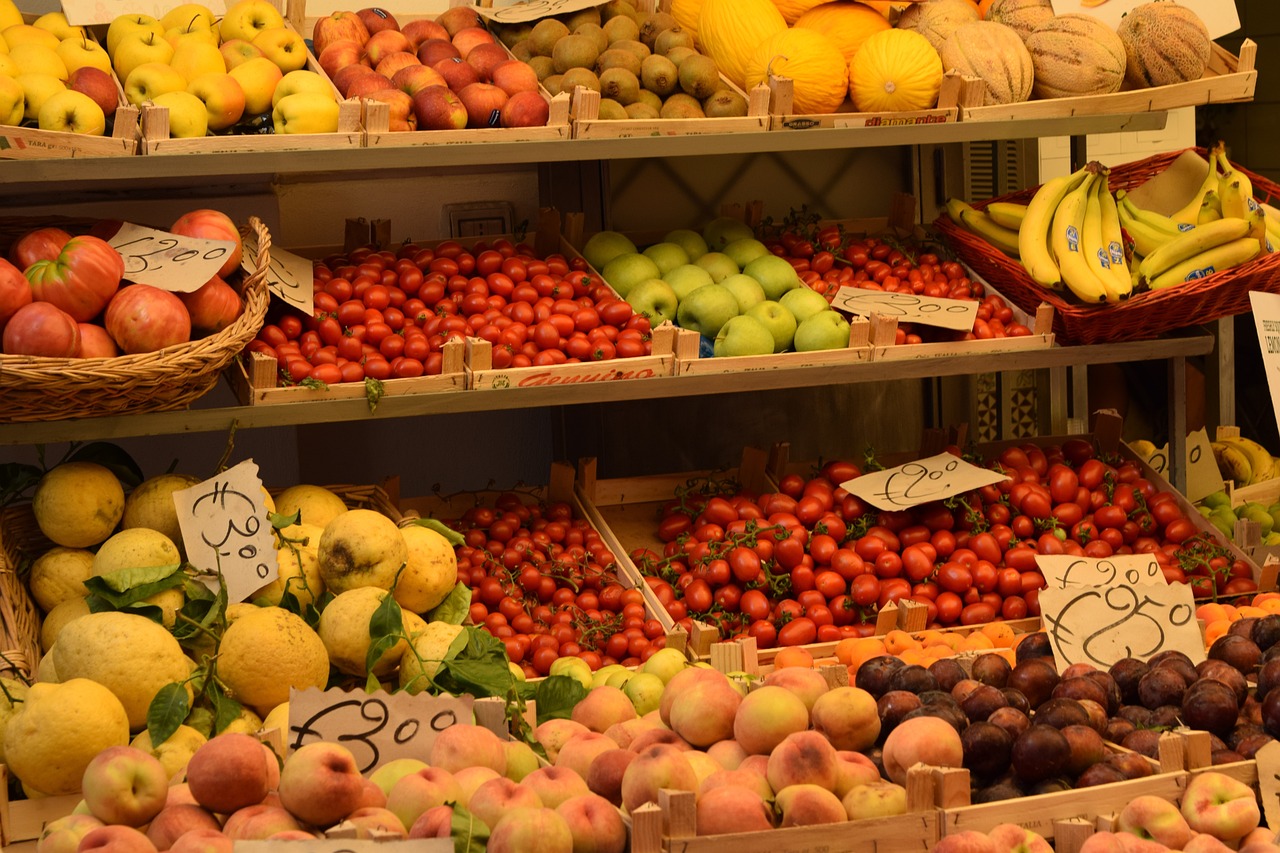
(277, 719)
(299, 573)
(361, 548)
(247, 723)
(305, 537)
(265, 652)
(151, 505)
(59, 616)
(78, 504)
(45, 672)
(176, 750)
(314, 504)
(59, 574)
(128, 654)
(135, 548)
(58, 730)
(10, 701)
(430, 572)
(344, 630)
(169, 601)
(423, 658)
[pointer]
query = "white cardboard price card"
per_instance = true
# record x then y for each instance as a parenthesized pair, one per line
(1158, 460)
(1101, 625)
(1219, 18)
(1063, 571)
(1266, 315)
(168, 261)
(533, 10)
(936, 478)
(957, 314)
(348, 845)
(376, 727)
(1268, 759)
(224, 529)
(1203, 476)
(289, 276)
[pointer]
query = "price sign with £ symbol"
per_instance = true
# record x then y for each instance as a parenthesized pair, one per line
(933, 479)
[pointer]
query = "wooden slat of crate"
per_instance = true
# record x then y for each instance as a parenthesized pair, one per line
(689, 360)
(909, 833)
(587, 123)
(1229, 79)
(21, 821)
(955, 92)
(377, 114)
(482, 374)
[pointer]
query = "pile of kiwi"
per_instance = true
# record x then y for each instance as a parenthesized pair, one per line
(643, 64)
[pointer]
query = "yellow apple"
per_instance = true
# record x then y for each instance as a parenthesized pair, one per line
(302, 81)
(198, 31)
(246, 18)
(305, 112)
(9, 14)
(188, 118)
(139, 48)
(56, 23)
(72, 112)
(38, 59)
(36, 89)
(184, 15)
(4, 45)
(8, 67)
(236, 51)
(194, 59)
(79, 51)
(122, 25)
(258, 78)
(150, 80)
(12, 101)
(28, 34)
(222, 97)
(282, 46)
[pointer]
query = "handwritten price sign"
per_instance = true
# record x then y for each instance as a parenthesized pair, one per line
(168, 261)
(289, 276)
(936, 478)
(376, 727)
(533, 10)
(957, 314)
(1203, 476)
(224, 529)
(1101, 625)
(1062, 571)
(1268, 759)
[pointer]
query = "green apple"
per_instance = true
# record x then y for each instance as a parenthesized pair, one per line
(824, 330)
(222, 97)
(655, 299)
(138, 49)
(780, 322)
(775, 275)
(123, 25)
(743, 335)
(56, 23)
(665, 663)
(573, 667)
(150, 80)
(72, 112)
(687, 278)
(80, 51)
(301, 81)
(36, 89)
(305, 112)
(258, 78)
(691, 241)
(194, 59)
(723, 230)
(720, 265)
(627, 270)
(246, 18)
(603, 674)
(188, 118)
(746, 289)
(516, 672)
(185, 16)
(667, 256)
(707, 309)
(604, 246)
(12, 101)
(745, 251)
(38, 59)
(804, 302)
(283, 46)
(620, 678)
(644, 689)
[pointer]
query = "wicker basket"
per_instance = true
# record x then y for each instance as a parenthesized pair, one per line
(1143, 315)
(38, 389)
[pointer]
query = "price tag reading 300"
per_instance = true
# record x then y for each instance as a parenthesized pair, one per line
(957, 314)
(933, 479)
(169, 261)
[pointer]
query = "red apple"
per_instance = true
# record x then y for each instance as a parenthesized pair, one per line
(95, 342)
(393, 62)
(98, 85)
(340, 26)
(514, 76)
(525, 109)
(422, 29)
(438, 108)
(469, 38)
(364, 84)
(341, 54)
(457, 73)
(458, 18)
(376, 20)
(414, 78)
(401, 115)
(383, 43)
(485, 57)
(484, 102)
(434, 50)
(344, 77)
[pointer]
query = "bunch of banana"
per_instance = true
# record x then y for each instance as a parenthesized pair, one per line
(1205, 249)
(984, 225)
(1244, 460)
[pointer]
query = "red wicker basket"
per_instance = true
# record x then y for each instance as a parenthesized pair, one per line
(1143, 315)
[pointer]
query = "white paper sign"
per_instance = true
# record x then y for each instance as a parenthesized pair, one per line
(936, 478)
(1063, 571)
(1203, 476)
(1266, 315)
(168, 261)
(224, 528)
(532, 10)
(957, 314)
(289, 276)
(1219, 17)
(1101, 625)
(85, 12)
(1158, 460)
(376, 727)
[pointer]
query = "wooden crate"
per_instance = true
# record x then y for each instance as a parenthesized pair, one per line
(955, 91)
(376, 115)
(587, 124)
(1228, 79)
(690, 361)
(1190, 750)
(21, 821)
(1041, 337)
(483, 375)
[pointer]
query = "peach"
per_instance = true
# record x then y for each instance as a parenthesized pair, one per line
(603, 707)
(371, 796)
(703, 765)
(63, 834)
(228, 772)
(623, 733)
(528, 830)
(849, 718)
(921, 739)
(417, 792)
(125, 785)
(1225, 808)
(877, 799)
(554, 733)
(809, 805)
(179, 795)
(470, 778)
(806, 683)
(803, 758)
(386, 775)
(758, 764)
(595, 825)
(256, 822)
(766, 716)
(732, 808)
(704, 712)
(202, 841)
(659, 766)
(579, 751)
(604, 776)
(1012, 838)
(321, 784)
(435, 822)
(1155, 818)
(501, 796)
(292, 835)
(468, 746)
(738, 778)
(854, 768)
(115, 838)
(658, 736)
(554, 785)
(521, 760)
(727, 753)
(375, 823)
(972, 841)
(681, 681)
(175, 821)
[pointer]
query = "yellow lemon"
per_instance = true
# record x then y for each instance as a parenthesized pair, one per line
(59, 574)
(265, 652)
(421, 660)
(344, 630)
(78, 504)
(430, 572)
(58, 730)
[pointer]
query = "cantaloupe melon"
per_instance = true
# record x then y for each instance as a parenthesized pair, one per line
(936, 20)
(1164, 44)
(995, 53)
(1076, 55)
(845, 22)
(1023, 15)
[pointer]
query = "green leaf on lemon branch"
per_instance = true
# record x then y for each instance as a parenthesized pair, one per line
(280, 522)
(455, 538)
(556, 695)
(110, 456)
(225, 709)
(455, 608)
(123, 581)
(166, 712)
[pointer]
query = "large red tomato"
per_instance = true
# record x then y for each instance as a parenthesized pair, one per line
(142, 318)
(96, 343)
(40, 244)
(209, 224)
(15, 291)
(81, 280)
(41, 329)
(213, 307)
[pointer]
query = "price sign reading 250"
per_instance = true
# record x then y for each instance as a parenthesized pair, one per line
(908, 307)
(169, 261)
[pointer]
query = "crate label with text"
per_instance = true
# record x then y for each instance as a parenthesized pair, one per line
(225, 529)
(86, 12)
(169, 261)
(1266, 316)
(1268, 759)
(376, 727)
(1063, 571)
(1203, 476)
(532, 10)
(348, 845)
(289, 276)
(957, 314)
(1101, 625)
(933, 479)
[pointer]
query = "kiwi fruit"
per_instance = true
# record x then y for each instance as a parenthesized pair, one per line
(621, 28)
(594, 31)
(725, 103)
(617, 9)
(681, 105)
(590, 15)
(615, 58)
(545, 34)
(638, 48)
(642, 110)
(611, 110)
(654, 25)
(699, 76)
(513, 34)
(574, 51)
(552, 84)
(620, 85)
(647, 97)
(522, 50)
(575, 77)
(674, 37)
(545, 66)
(659, 75)
(680, 54)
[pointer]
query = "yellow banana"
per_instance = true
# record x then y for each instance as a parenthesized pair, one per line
(1065, 237)
(1210, 209)
(1007, 213)
(1092, 243)
(1235, 190)
(1121, 280)
(1153, 219)
(1261, 463)
(1146, 238)
(1190, 244)
(984, 226)
(1188, 214)
(955, 207)
(1258, 230)
(1217, 259)
(1033, 235)
(1233, 463)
